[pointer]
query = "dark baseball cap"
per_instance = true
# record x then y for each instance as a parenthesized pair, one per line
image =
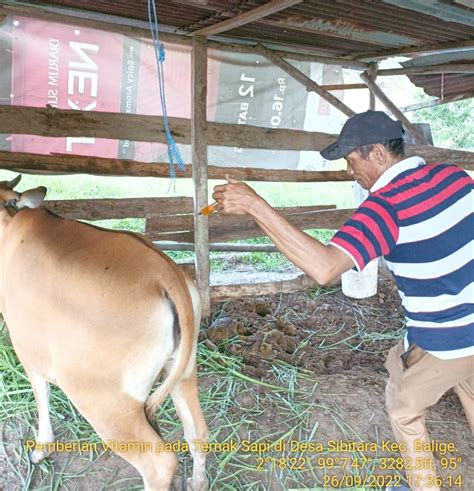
(363, 129)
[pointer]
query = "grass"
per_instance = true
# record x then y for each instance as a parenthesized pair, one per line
(285, 408)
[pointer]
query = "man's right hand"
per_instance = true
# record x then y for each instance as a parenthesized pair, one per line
(236, 197)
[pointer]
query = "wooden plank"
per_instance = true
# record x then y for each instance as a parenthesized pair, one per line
(223, 228)
(327, 219)
(247, 17)
(220, 293)
(217, 221)
(436, 102)
(199, 160)
(298, 210)
(165, 225)
(378, 55)
(117, 167)
(435, 155)
(343, 86)
(303, 79)
(70, 164)
(68, 123)
(421, 70)
(137, 28)
(167, 245)
(105, 209)
(391, 106)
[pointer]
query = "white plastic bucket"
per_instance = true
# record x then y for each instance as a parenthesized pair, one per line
(363, 284)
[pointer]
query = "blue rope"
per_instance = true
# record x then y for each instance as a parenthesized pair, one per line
(173, 152)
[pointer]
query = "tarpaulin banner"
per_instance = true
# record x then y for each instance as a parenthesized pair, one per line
(71, 67)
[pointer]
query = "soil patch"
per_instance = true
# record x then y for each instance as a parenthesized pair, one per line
(322, 330)
(305, 367)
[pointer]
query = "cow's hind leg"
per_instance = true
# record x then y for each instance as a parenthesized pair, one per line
(186, 400)
(45, 436)
(123, 427)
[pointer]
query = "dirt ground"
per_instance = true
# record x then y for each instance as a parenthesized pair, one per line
(336, 395)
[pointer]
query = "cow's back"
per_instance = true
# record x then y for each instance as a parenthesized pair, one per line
(81, 291)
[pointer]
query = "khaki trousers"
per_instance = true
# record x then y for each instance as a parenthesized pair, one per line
(412, 387)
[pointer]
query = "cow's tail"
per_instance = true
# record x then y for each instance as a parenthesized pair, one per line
(178, 292)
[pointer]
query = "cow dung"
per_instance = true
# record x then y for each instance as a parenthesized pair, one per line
(223, 328)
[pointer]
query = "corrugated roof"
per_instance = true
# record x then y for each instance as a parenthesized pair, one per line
(447, 84)
(343, 27)
(356, 29)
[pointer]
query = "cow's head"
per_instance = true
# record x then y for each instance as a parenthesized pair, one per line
(10, 200)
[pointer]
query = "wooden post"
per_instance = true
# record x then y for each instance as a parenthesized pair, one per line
(303, 79)
(373, 75)
(392, 107)
(199, 161)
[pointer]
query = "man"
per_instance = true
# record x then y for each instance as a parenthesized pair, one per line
(421, 218)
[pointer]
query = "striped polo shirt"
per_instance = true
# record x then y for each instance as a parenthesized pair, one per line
(421, 219)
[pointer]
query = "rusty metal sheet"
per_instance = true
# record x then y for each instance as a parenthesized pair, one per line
(449, 84)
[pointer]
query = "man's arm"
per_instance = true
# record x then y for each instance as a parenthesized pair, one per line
(322, 262)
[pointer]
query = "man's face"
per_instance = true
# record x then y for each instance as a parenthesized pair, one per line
(364, 171)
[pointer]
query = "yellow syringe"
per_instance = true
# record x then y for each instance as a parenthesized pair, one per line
(209, 209)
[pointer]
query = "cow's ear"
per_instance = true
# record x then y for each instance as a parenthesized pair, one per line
(14, 182)
(31, 198)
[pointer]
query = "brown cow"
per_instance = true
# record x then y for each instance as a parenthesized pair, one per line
(96, 312)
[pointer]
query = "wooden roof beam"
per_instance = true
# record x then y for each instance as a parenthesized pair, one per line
(246, 18)
(378, 92)
(298, 75)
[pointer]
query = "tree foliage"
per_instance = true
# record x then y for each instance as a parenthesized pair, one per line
(452, 125)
